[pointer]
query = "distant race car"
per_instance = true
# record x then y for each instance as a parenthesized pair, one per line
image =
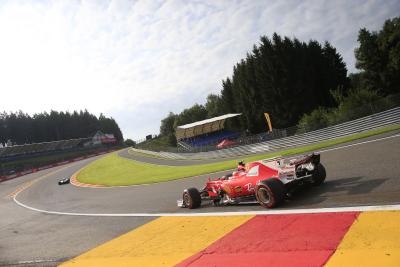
(267, 182)
(63, 181)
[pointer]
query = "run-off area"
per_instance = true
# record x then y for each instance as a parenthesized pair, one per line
(334, 239)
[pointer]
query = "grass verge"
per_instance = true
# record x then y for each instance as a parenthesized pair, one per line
(113, 170)
(143, 154)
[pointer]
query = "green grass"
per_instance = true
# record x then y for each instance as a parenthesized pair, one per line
(142, 154)
(156, 144)
(113, 170)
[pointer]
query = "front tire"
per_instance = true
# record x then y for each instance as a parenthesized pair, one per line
(270, 192)
(191, 198)
(319, 175)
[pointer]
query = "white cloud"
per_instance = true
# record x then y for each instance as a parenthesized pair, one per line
(138, 60)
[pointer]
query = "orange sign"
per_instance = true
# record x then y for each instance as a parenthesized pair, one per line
(268, 121)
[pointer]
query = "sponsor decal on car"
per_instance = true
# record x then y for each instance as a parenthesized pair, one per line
(249, 187)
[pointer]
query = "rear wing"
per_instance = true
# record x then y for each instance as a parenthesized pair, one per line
(313, 158)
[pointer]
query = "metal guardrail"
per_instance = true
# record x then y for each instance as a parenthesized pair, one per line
(370, 122)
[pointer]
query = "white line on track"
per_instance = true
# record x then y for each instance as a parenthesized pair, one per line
(359, 143)
(266, 212)
(36, 261)
(236, 213)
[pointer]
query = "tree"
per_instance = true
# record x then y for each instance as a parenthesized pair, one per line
(108, 125)
(214, 106)
(130, 142)
(378, 56)
(195, 113)
(284, 77)
(167, 125)
(227, 97)
(357, 103)
(22, 128)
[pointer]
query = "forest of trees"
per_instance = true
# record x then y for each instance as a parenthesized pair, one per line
(22, 128)
(378, 58)
(289, 79)
(375, 88)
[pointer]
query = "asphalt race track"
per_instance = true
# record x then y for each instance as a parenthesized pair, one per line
(365, 174)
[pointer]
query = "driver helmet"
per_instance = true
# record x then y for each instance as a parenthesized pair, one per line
(241, 166)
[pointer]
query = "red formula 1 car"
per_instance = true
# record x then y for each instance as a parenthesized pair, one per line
(267, 182)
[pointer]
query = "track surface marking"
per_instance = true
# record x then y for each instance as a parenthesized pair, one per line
(373, 240)
(164, 241)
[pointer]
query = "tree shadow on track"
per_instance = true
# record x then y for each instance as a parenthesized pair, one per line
(345, 191)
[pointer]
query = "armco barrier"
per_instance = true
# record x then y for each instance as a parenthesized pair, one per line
(25, 172)
(370, 122)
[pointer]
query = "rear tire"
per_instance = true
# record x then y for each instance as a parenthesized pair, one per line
(270, 192)
(319, 175)
(191, 198)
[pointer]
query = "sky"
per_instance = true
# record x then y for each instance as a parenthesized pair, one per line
(136, 61)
